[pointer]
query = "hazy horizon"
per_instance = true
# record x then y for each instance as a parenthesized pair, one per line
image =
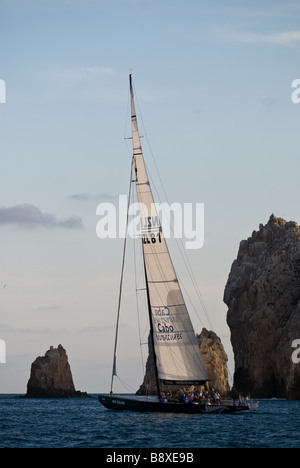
(213, 83)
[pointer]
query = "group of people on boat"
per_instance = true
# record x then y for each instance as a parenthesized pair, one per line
(186, 396)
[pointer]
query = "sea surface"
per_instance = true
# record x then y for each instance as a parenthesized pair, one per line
(85, 423)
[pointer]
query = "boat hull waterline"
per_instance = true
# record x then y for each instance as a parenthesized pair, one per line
(124, 403)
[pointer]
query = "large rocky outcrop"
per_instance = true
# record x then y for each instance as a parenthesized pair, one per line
(263, 298)
(51, 376)
(214, 358)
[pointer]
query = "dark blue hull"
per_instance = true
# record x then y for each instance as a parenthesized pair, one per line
(143, 404)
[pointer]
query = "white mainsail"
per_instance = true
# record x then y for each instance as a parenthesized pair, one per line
(177, 353)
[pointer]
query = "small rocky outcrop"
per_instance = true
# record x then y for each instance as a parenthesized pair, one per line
(263, 298)
(51, 376)
(214, 358)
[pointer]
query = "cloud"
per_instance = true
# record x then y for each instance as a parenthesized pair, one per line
(282, 38)
(27, 215)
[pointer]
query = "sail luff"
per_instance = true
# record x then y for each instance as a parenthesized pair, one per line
(178, 357)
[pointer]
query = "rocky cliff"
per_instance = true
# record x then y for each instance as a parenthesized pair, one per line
(263, 298)
(214, 358)
(51, 376)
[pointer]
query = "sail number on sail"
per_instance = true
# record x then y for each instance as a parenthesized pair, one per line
(151, 238)
(148, 225)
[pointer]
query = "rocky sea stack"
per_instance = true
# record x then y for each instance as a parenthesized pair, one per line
(263, 298)
(214, 358)
(51, 376)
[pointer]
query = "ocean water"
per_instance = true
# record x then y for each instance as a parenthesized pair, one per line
(59, 423)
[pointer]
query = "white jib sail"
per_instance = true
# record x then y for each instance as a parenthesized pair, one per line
(178, 356)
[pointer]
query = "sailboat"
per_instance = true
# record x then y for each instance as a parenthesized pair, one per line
(177, 357)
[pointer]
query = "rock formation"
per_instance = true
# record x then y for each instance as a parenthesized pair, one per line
(214, 358)
(263, 298)
(51, 376)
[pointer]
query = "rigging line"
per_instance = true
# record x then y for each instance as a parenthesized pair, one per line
(198, 293)
(156, 258)
(190, 340)
(187, 262)
(190, 272)
(114, 371)
(126, 385)
(158, 266)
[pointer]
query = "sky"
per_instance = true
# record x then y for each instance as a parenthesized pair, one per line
(213, 82)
